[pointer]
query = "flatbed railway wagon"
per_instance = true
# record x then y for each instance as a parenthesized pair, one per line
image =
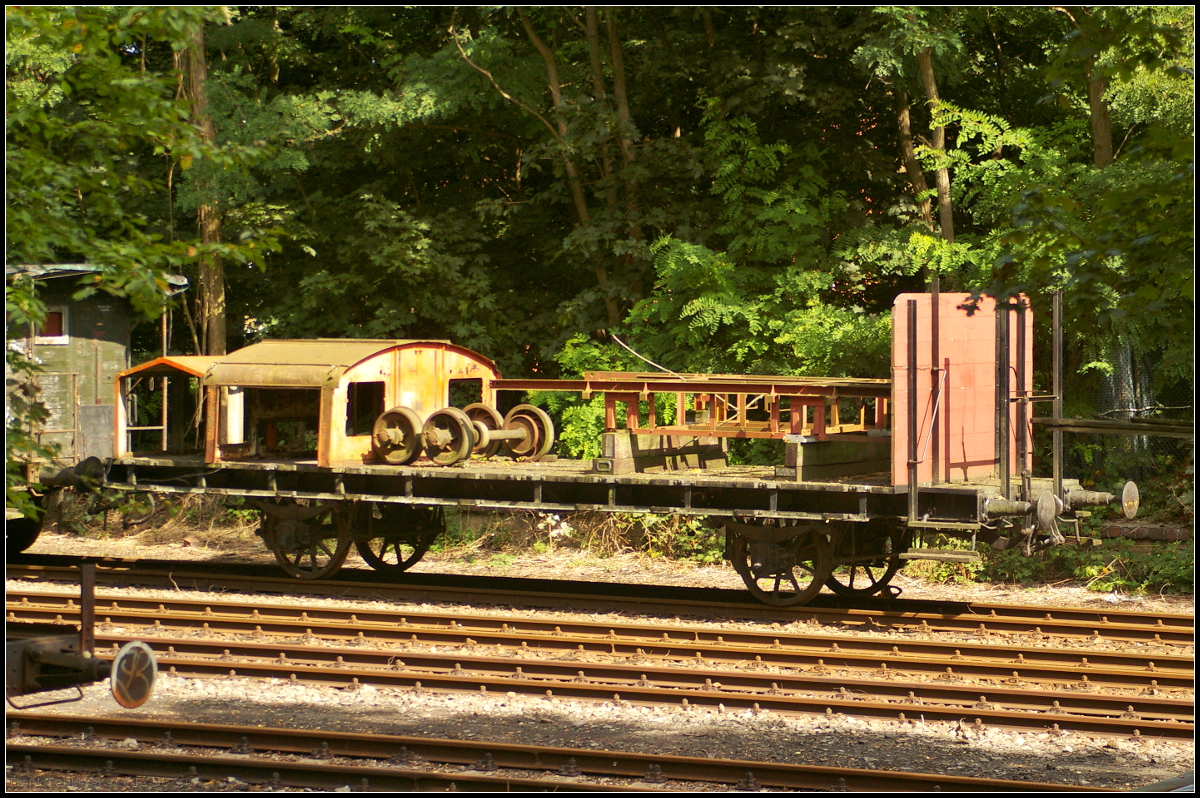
(342, 443)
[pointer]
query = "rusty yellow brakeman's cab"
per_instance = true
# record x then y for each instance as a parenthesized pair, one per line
(294, 397)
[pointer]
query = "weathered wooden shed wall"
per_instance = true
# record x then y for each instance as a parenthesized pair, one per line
(79, 366)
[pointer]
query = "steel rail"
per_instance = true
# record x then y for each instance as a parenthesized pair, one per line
(771, 649)
(644, 768)
(191, 657)
(272, 772)
(986, 620)
(712, 695)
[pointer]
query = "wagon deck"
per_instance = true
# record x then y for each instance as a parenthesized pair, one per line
(564, 486)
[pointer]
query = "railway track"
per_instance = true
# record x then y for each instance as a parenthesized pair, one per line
(700, 670)
(650, 684)
(874, 615)
(897, 668)
(329, 760)
(1060, 668)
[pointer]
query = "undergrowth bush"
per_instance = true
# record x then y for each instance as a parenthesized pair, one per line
(1103, 565)
(1117, 564)
(939, 572)
(601, 534)
(158, 518)
(209, 520)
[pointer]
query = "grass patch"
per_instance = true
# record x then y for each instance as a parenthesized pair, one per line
(204, 521)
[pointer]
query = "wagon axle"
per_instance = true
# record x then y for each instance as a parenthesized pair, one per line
(452, 435)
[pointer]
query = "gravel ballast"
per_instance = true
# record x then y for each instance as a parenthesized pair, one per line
(840, 741)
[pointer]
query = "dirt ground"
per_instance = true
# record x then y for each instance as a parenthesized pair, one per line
(241, 545)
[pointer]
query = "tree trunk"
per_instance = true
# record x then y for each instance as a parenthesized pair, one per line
(576, 184)
(912, 167)
(626, 119)
(1102, 145)
(208, 218)
(628, 155)
(592, 29)
(942, 175)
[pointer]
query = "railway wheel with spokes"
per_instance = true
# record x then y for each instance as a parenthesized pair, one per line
(309, 541)
(866, 557)
(781, 565)
(396, 436)
(393, 538)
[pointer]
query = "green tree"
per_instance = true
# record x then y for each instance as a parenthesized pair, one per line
(1111, 225)
(89, 124)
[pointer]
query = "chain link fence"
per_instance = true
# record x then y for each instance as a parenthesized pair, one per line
(1163, 467)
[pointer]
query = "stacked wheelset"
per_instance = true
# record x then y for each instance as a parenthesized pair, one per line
(452, 435)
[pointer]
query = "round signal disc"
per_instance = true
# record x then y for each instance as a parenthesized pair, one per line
(133, 674)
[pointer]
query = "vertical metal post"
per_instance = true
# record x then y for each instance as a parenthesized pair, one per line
(87, 607)
(912, 410)
(1002, 396)
(1056, 357)
(163, 416)
(97, 394)
(1022, 402)
(935, 373)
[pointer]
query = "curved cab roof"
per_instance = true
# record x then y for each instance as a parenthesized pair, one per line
(309, 363)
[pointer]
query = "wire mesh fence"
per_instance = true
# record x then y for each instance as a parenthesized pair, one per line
(1161, 465)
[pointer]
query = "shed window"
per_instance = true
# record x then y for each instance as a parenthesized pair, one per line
(54, 329)
(364, 404)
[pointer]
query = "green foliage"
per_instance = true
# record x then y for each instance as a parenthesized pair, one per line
(898, 33)
(680, 538)
(390, 274)
(958, 573)
(757, 306)
(1117, 239)
(746, 215)
(1115, 565)
(753, 451)
(85, 125)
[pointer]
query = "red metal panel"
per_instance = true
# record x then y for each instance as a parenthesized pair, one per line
(967, 408)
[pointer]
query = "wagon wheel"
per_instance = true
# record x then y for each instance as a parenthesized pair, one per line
(866, 558)
(309, 541)
(393, 538)
(539, 432)
(21, 533)
(782, 566)
(491, 419)
(448, 436)
(396, 436)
